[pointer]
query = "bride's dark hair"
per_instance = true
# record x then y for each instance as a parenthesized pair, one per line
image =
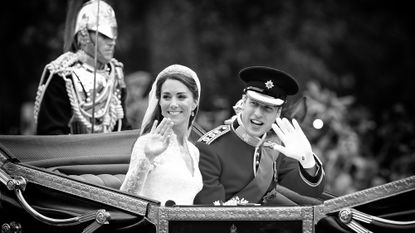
(188, 82)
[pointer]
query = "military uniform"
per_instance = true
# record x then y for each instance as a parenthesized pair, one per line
(229, 162)
(65, 101)
(243, 166)
(64, 98)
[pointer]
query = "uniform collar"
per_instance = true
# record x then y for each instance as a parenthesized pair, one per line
(239, 129)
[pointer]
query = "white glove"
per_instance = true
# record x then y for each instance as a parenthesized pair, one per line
(296, 144)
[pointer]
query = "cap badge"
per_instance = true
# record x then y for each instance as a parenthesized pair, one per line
(269, 84)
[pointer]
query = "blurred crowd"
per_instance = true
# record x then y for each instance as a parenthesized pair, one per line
(358, 152)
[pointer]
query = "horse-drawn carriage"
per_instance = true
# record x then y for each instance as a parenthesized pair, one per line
(69, 183)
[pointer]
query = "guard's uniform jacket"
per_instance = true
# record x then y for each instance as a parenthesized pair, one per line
(233, 165)
(65, 97)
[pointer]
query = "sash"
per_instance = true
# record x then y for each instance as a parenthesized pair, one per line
(256, 189)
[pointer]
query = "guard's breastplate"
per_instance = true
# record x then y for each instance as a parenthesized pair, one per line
(108, 109)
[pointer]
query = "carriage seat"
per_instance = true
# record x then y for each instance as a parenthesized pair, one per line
(99, 159)
(108, 180)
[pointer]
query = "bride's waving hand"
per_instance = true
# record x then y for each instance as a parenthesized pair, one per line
(158, 139)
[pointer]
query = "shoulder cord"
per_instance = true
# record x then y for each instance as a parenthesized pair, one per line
(78, 111)
(75, 105)
(57, 66)
(107, 92)
(40, 93)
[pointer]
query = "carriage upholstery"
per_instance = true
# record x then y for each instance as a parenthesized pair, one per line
(100, 159)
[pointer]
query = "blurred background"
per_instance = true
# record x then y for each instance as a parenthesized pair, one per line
(354, 61)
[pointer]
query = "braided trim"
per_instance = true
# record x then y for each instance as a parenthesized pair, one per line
(62, 63)
(76, 107)
(40, 93)
(38, 100)
(112, 118)
(104, 93)
(61, 66)
(113, 110)
(107, 92)
(117, 63)
(116, 112)
(108, 119)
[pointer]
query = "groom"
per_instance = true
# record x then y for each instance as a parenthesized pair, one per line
(259, 152)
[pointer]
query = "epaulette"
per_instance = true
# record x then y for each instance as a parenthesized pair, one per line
(63, 62)
(215, 133)
(117, 63)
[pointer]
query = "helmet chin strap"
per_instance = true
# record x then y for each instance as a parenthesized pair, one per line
(95, 71)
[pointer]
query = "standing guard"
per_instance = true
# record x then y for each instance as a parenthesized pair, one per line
(67, 101)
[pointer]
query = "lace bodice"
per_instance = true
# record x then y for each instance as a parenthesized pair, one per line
(171, 177)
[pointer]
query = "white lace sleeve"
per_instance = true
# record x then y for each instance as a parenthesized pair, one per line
(138, 169)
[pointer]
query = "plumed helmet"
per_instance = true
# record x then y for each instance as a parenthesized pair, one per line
(87, 18)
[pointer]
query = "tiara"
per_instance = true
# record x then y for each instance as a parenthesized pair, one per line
(178, 69)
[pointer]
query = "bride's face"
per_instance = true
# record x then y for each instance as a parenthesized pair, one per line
(176, 102)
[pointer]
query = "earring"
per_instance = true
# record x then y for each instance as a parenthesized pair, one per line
(193, 114)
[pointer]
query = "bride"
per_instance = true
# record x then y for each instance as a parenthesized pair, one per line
(164, 163)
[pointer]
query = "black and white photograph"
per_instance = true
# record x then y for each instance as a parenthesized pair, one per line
(207, 116)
